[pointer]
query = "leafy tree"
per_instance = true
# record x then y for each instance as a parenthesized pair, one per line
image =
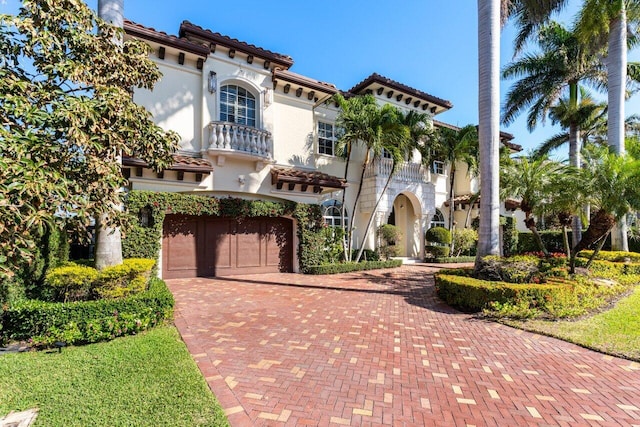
(610, 183)
(66, 115)
(454, 146)
(362, 121)
(533, 182)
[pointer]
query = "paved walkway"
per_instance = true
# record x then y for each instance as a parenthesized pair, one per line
(378, 348)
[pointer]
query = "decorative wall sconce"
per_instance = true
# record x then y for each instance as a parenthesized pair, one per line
(212, 82)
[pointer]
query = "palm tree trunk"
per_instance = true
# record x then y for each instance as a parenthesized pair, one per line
(488, 129)
(373, 213)
(452, 207)
(109, 240)
(355, 204)
(617, 76)
(347, 232)
(574, 156)
(601, 224)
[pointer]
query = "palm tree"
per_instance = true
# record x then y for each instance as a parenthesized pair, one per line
(605, 22)
(559, 68)
(610, 182)
(363, 121)
(533, 181)
(453, 146)
(108, 249)
(489, 18)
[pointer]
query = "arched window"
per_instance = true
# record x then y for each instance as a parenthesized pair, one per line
(332, 213)
(437, 220)
(237, 105)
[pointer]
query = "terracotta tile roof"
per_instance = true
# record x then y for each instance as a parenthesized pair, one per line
(151, 34)
(377, 78)
(312, 178)
(181, 163)
(301, 80)
(465, 199)
(505, 137)
(188, 29)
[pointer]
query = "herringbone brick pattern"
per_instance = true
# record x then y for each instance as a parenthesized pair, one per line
(379, 349)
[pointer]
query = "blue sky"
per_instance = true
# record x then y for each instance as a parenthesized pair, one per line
(426, 44)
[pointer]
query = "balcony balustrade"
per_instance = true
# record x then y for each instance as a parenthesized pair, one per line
(233, 138)
(405, 172)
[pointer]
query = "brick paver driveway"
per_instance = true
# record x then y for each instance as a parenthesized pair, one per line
(377, 348)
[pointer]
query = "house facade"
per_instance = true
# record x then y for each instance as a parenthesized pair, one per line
(251, 128)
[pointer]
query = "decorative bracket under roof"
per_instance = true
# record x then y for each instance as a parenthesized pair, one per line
(306, 180)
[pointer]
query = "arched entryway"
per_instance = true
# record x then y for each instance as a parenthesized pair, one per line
(406, 215)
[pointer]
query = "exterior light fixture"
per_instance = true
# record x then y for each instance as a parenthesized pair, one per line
(212, 82)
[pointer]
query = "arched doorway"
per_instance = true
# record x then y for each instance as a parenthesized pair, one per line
(406, 216)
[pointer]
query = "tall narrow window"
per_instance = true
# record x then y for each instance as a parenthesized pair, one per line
(237, 105)
(326, 139)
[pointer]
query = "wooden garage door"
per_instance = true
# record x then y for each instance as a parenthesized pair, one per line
(206, 246)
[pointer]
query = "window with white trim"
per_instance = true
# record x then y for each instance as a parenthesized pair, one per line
(437, 220)
(437, 167)
(332, 213)
(326, 139)
(237, 105)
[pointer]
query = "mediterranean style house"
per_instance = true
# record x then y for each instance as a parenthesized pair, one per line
(251, 128)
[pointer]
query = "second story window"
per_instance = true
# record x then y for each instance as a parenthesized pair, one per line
(437, 167)
(237, 105)
(326, 139)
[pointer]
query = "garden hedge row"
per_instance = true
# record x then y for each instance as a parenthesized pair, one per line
(352, 266)
(452, 260)
(557, 298)
(45, 323)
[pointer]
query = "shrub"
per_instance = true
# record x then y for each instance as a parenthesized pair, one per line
(352, 266)
(613, 256)
(438, 236)
(87, 321)
(464, 239)
(557, 298)
(125, 279)
(452, 260)
(435, 252)
(516, 269)
(389, 236)
(71, 282)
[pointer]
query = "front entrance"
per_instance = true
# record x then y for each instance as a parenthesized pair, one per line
(404, 217)
(200, 246)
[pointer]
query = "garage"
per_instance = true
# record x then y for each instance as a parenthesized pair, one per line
(201, 246)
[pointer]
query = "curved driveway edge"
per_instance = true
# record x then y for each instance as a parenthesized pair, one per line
(377, 348)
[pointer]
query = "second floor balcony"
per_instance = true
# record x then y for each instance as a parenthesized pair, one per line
(405, 172)
(231, 139)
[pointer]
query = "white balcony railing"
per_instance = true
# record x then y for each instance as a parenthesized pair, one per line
(405, 172)
(232, 137)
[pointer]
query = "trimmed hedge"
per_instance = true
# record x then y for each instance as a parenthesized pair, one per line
(438, 235)
(352, 266)
(45, 323)
(557, 298)
(453, 259)
(613, 256)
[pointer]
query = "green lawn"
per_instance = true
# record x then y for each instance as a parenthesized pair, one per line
(144, 380)
(616, 331)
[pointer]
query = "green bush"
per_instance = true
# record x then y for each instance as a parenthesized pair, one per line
(128, 278)
(389, 235)
(82, 322)
(464, 239)
(516, 269)
(613, 256)
(509, 236)
(435, 252)
(453, 259)
(557, 298)
(352, 266)
(438, 236)
(71, 282)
